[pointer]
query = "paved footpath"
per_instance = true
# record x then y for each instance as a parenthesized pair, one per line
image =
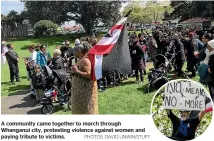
(19, 104)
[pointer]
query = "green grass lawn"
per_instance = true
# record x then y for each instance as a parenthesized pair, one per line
(126, 99)
(129, 98)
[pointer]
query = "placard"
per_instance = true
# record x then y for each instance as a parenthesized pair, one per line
(184, 95)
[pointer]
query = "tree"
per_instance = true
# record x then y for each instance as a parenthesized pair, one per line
(45, 27)
(190, 9)
(86, 13)
(146, 14)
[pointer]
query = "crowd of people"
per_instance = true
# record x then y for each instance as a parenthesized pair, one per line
(187, 46)
(194, 47)
(63, 57)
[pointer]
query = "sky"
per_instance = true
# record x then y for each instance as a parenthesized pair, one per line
(7, 6)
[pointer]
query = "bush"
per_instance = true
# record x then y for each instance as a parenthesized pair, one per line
(45, 28)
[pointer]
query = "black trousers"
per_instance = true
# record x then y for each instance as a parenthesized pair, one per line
(192, 66)
(14, 71)
(211, 89)
(137, 74)
(179, 66)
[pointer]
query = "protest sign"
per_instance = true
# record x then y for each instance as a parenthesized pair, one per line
(184, 95)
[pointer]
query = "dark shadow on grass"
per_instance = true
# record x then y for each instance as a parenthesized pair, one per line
(5, 83)
(23, 77)
(127, 83)
(25, 47)
(27, 102)
(22, 92)
(144, 89)
(36, 111)
(18, 88)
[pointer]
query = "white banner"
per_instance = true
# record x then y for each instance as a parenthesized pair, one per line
(184, 95)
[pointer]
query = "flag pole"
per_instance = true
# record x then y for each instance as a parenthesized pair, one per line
(78, 63)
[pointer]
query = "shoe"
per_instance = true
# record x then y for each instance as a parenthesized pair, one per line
(12, 83)
(144, 72)
(18, 80)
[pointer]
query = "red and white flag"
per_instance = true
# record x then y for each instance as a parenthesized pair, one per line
(115, 43)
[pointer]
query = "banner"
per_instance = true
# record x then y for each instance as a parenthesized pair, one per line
(184, 95)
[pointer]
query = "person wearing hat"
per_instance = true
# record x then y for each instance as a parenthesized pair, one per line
(137, 53)
(210, 60)
(13, 60)
(43, 56)
(184, 128)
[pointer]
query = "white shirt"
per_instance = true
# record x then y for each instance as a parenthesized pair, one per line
(32, 58)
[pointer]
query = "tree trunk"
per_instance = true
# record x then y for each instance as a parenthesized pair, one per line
(87, 21)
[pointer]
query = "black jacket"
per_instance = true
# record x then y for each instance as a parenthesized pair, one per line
(136, 52)
(57, 63)
(202, 54)
(38, 81)
(177, 47)
(179, 50)
(211, 66)
(11, 56)
(191, 48)
(67, 52)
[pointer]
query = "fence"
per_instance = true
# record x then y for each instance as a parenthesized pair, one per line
(19, 31)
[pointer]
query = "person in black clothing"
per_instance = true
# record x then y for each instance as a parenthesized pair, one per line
(164, 43)
(191, 47)
(210, 58)
(178, 49)
(57, 61)
(184, 128)
(13, 60)
(38, 80)
(67, 54)
(136, 55)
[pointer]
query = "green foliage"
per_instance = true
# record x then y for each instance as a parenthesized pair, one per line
(86, 13)
(45, 27)
(146, 14)
(190, 9)
(164, 124)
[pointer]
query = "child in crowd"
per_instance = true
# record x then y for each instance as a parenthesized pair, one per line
(38, 80)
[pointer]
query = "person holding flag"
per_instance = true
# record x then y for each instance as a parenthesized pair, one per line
(110, 54)
(84, 99)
